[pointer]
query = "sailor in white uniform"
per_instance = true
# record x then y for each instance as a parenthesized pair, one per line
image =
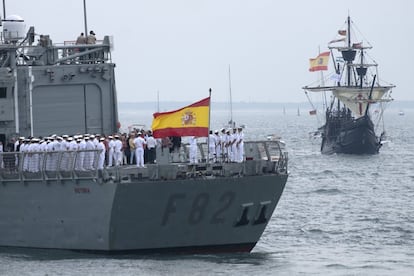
(233, 142)
(218, 146)
(101, 151)
(89, 155)
(117, 151)
(211, 147)
(240, 145)
(193, 150)
(111, 148)
(139, 150)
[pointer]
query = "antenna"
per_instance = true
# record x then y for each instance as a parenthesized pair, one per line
(158, 101)
(4, 10)
(84, 17)
(231, 101)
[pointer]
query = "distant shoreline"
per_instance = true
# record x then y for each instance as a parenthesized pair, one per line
(168, 105)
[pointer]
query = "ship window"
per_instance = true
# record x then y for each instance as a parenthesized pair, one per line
(3, 92)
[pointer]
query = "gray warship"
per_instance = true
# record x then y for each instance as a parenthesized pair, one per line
(164, 207)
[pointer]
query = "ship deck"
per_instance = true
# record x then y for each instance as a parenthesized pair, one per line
(262, 157)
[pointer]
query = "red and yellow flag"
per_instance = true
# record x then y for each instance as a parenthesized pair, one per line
(192, 120)
(320, 62)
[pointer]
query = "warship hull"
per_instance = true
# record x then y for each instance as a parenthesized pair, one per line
(216, 214)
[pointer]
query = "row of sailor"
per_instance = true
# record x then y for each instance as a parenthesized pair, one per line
(80, 149)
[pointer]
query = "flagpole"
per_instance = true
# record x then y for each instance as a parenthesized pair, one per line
(208, 131)
(158, 101)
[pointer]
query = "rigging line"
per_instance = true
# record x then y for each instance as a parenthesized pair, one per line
(231, 101)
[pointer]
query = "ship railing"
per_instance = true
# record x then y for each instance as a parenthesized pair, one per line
(269, 150)
(47, 54)
(50, 165)
(261, 157)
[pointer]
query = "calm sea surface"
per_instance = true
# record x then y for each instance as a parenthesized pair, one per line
(339, 214)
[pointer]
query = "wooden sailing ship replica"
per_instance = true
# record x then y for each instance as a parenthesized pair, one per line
(355, 102)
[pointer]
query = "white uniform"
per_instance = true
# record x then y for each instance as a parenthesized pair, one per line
(240, 146)
(81, 155)
(1, 155)
(89, 156)
(24, 148)
(233, 141)
(111, 148)
(118, 152)
(139, 143)
(51, 157)
(211, 147)
(42, 149)
(73, 148)
(34, 157)
(218, 147)
(193, 150)
(101, 160)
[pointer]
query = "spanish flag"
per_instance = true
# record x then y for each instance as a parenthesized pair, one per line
(320, 62)
(192, 120)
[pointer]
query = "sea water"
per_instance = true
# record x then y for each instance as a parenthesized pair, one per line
(339, 214)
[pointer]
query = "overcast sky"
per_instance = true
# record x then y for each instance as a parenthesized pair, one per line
(182, 48)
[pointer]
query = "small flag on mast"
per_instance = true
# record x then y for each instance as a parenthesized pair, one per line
(357, 45)
(337, 40)
(320, 62)
(342, 32)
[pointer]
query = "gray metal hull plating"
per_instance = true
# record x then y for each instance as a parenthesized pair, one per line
(181, 215)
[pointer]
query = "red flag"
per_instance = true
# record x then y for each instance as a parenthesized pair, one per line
(312, 112)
